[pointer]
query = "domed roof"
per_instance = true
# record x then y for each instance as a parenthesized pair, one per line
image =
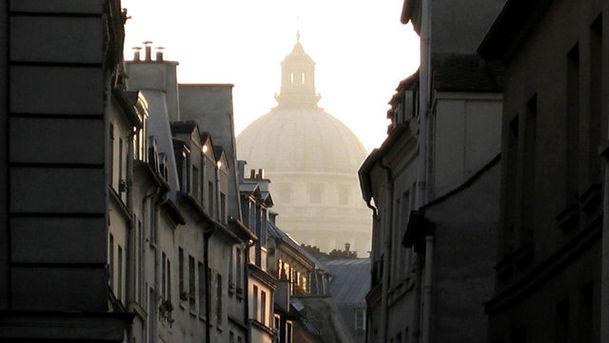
(300, 139)
(297, 135)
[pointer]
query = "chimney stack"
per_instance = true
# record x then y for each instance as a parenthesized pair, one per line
(347, 246)
(159, 53)
(148, 50)
(260, 174)
(252, 174)
(136, 53)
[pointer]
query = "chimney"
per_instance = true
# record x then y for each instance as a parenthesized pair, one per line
(347, 246)
(147, 50)
(273, 217)
(260, 174)
(159, 53)
(252, 174)
(136, 53)
(241, 169)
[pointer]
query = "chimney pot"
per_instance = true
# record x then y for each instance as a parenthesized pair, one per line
(347, 246)
(261, 174)
(148, 50)
(252, 173)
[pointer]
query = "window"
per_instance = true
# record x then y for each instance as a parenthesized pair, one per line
(263, 307)
(360, 319)
(163, 275)
(291, 77)
(562, 321)
(596, 100)
(223, 207)
(119, 289)
(139, 262)
(202, 300)
(231, 271)
(255, 303)
(572, 125)
(219, 299)
(181, 274)
(111, 261)
(239, 270)
(586, 310)
(152, 219)
(529, 172)
(284, 193)
(168, 280)
(302, 78)
(288, 332)
(195, 182)
(231, 337)
(210, 198)
(192, 291)
(120, 163)
(111, 149)
(277, 326)
(315, 193)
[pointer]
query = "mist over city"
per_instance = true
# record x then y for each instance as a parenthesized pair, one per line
(284, 171)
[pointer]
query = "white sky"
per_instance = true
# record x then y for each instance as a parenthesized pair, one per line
(361, 49)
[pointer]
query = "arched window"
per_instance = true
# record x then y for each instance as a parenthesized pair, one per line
(291, 77)
(302, 78)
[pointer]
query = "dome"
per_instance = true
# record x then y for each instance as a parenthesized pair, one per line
(312, 160)
(300, 139)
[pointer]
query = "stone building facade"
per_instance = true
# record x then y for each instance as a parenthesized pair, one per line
(433, 185)
(551, 273)
(120, 194)
(61, 83)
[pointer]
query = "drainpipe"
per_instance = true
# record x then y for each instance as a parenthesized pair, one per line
(387, 255)
(206, 236)
(249, 245)
(157, 264)
(131, 271)
(424, 95)
(153, 314)
(424, 102)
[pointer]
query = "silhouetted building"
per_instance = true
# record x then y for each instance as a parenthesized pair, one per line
(61, 82)
(312, 159)
(551, 274)
(434, 183)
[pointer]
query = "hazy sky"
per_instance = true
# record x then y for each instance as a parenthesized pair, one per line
(361, 49)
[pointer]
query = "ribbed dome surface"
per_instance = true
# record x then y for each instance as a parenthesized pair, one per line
(300, 139)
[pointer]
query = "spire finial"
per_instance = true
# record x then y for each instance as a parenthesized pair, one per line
(297, 29)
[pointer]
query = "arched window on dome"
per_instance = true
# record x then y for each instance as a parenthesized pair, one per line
(291, 77)
(302, 78)
(285, 193)
(344, 193)
(315, 193)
